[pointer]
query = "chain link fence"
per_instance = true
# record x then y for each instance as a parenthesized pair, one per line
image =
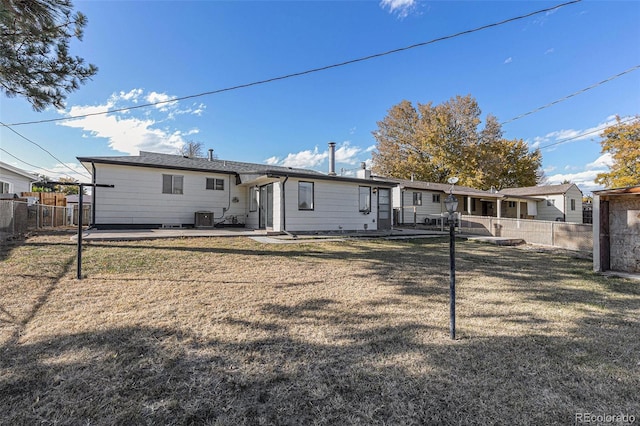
(19, 217)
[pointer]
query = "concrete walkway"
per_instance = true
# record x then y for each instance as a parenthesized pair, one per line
(499, 241)
(280, 238)
(258, 235)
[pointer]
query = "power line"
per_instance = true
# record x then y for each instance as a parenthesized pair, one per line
(572, 95)
(585, 134)
(309, 71)
(39, 146)
(29, 164)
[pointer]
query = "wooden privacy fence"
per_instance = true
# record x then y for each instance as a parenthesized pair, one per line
(48, 198)
(573, 236)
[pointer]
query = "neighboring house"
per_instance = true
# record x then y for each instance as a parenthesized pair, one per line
(616, 230)
(161, 190)
(423, 202)
(553, 202)
(14, 180)
(74, 199)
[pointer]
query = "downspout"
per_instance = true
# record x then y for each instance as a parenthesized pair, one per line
(402, 191)
(224, 210)
(93, 196)
(284, 207)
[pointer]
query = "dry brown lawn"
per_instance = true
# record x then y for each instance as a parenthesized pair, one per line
(226, 331)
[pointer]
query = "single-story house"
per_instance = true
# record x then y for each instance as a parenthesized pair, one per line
(161, 190)
(552, 202)
(14, 180)
(616, 230)
(423, 202)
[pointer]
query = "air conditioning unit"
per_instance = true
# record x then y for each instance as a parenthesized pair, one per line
(204, 220)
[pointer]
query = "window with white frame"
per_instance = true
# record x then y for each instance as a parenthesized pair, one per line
(364, 198)
(215, 184)
(417, 198)
(511, 204)
(4, 187)
(305, 195)
(435, 198)
(573, 204)
(551, 202)
(172, 184)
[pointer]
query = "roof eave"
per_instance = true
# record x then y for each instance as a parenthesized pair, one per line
(153, 165)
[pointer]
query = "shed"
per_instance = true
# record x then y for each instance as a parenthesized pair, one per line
(616, 230)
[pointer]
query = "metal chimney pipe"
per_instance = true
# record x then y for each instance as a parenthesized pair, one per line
(210, 157)
(332, 158)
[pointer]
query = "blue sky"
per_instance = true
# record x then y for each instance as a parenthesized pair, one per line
(149, 51)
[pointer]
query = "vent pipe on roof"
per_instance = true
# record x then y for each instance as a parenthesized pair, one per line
(332, 158)
(210, 157)
(363, 173)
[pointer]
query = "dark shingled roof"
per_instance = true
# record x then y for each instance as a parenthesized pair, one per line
(154, 159)
(538, 190)
(179, 162)
(441, 187)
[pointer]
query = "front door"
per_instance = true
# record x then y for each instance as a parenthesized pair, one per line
(265, 208)
(384, 208)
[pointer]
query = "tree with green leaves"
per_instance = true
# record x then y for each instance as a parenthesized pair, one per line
(622, 142)
(432, 143)
(45, 184)
(35, 61)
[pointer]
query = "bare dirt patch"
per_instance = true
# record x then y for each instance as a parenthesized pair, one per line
(231, 331)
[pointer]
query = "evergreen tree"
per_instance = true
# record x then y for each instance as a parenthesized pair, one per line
(35, 61)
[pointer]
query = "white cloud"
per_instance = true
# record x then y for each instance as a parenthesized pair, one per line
(584, 175)
(572, 134)
(165, 100)
(64, 170)
(309, 159)
(401, 8)
(128, 133)
(508, 60)
(347, 154)
(305, 159)
(272, 161)
(132, 95)
(602, 163)
(584, 179)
